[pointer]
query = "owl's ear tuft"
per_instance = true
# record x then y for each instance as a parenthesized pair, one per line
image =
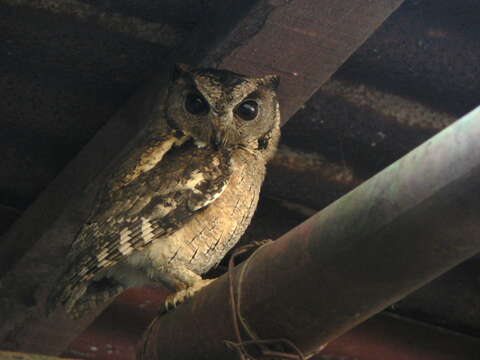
(272, 81)
(180, 69)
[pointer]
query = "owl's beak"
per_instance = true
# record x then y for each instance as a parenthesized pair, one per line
(217, 140)
(221, 133)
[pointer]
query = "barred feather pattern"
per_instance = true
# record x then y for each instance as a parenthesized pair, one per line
(151, 207)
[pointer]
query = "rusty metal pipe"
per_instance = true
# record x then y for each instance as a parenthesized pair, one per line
(397, 231)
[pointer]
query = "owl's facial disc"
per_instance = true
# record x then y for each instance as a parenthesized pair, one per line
(222, 109)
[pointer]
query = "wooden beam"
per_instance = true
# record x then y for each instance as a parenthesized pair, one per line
(302, 40)
(7, 355)
(305, 42)
(392, 337)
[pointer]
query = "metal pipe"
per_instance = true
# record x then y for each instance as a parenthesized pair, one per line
(397, 231)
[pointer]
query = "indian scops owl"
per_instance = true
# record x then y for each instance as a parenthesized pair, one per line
(174, 205)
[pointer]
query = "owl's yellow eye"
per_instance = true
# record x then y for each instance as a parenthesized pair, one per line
(247, 110)
(195, 104)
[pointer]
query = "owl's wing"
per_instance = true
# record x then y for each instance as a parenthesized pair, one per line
(130, 217)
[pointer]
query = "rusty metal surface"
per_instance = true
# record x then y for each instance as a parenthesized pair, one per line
(387, 337)
(307, 178)
(404, 84)
(451, 301)
(360, 127)
(391, 235)
(419, 53)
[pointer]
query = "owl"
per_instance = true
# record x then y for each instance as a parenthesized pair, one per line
(174, 205)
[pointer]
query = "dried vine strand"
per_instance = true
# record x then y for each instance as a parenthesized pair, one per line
(241, 345)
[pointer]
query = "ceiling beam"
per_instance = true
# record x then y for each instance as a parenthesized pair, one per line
(304, 42)
(392, 337)
(7, 355)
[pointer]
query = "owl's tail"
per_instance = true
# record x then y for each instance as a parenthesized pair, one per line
(65, 294)
(95, 296)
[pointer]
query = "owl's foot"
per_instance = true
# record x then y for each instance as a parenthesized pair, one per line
(180, 296)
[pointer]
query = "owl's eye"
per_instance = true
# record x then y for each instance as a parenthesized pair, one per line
(195, 104)
(247, 110)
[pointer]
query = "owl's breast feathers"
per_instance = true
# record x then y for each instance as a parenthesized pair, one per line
(152, 204)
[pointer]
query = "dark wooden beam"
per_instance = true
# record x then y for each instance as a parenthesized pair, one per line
(302, 40)
(7, 355)
(388, 336)
(305, 42)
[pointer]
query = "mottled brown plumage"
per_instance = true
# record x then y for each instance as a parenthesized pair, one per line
(174, 205)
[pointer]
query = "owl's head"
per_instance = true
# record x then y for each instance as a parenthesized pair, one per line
(219, 108)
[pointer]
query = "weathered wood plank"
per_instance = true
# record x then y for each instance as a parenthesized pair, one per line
(7, 355)
(305, 42)
(286, 37)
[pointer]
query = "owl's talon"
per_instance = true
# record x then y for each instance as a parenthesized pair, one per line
(173, 300)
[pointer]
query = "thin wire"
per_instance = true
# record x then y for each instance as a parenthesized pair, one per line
(262, 344)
